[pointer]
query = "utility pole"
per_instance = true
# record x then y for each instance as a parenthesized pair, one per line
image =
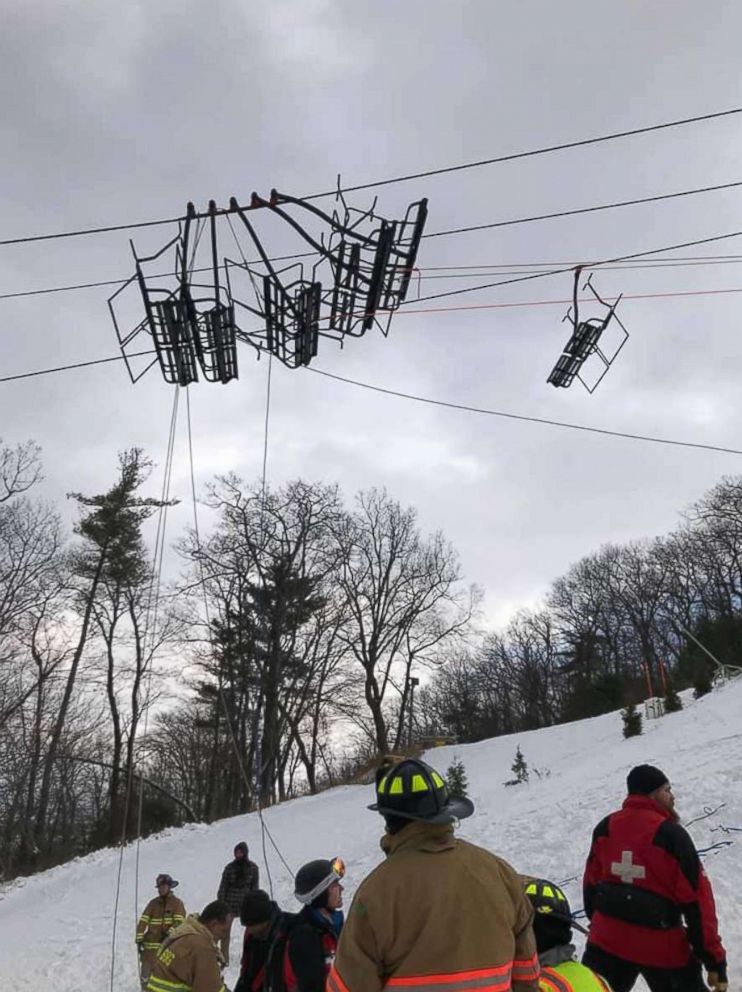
(413, 682)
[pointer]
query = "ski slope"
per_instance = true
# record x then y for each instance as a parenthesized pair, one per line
(56, 927)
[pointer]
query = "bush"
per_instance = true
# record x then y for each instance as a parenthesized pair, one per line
(519, 767)
(673, 702)
(632, 721)
(456, 779)
(702, 683)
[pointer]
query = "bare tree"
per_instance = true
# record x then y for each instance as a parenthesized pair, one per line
(404, 601)
(20, 469)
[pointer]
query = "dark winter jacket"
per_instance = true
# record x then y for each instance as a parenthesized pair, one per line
(438, 915)
(262, 957)
(238, 878)
(310, 950)
(643, 878)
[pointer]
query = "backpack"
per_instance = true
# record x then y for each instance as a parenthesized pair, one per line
(275, 980)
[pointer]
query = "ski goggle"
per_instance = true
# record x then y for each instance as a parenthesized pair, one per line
(337, 871)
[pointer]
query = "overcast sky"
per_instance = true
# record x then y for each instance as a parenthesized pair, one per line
(115, 113)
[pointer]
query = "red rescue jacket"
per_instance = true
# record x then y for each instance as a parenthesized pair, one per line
(643, 880)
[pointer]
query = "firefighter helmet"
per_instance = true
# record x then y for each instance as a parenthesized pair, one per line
(413, 790)
(549, 902)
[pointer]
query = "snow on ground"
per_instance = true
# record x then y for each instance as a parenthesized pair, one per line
(56, 927)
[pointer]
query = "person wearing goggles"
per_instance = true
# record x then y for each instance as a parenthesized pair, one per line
(313, 938)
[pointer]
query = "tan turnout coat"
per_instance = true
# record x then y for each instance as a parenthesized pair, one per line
(438, 915)
(187, 961)
(158, 919)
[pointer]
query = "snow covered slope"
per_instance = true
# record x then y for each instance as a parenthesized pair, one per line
(56, 928)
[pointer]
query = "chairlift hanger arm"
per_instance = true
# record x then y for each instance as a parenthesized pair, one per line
(343, 229)
(261, 251)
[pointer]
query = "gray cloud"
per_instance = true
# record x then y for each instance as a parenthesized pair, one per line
(121, 113)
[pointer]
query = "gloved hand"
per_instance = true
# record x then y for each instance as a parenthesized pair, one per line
(717, 979)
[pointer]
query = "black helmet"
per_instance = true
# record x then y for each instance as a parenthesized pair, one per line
(315, 877)
(164, 879)
(550, 903)
(413, 790)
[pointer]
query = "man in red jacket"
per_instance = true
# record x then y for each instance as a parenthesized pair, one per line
(643, 879)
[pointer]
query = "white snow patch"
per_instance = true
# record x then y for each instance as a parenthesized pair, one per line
(56, 927)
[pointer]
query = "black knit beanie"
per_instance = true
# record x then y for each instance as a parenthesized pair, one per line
(645, 779)
(256, 907)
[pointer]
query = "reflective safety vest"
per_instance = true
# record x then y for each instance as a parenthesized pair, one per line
(571, 976)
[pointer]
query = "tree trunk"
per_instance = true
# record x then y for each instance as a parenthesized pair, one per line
(39, 830)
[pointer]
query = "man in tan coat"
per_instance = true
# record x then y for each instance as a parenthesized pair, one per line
(160, 916)
(188, 960)
(439, 914)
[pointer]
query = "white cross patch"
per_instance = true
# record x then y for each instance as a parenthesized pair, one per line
(626, 870)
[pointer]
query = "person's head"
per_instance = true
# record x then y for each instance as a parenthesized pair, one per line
(411, 790)
(164, 883)
(552, 920)
(217, 918)
(240, 851)
(646, 780)
(256, 913)
(317, 884)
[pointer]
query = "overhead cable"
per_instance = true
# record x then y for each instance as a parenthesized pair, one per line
(523, 417)
(75, 365)
(570, 268)
(581, 143)
(582, 210)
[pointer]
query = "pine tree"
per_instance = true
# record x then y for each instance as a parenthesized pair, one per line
(702, 683)
(632, 721)
(673, 702)
(456, 779)
(519, 767)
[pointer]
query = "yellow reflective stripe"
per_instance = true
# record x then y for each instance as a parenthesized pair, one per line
(156, 984)
(396, 787)
(437, 780)
(152, 946)
(419, 784)
(531, 889)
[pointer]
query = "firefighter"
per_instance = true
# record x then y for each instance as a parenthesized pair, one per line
(439, 913)
(160, 916)
(188, 959)
(643, 880)
(552, 926)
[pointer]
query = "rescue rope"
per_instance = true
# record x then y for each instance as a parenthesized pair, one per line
(153, 597)
(707, 812)
(252, 787)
